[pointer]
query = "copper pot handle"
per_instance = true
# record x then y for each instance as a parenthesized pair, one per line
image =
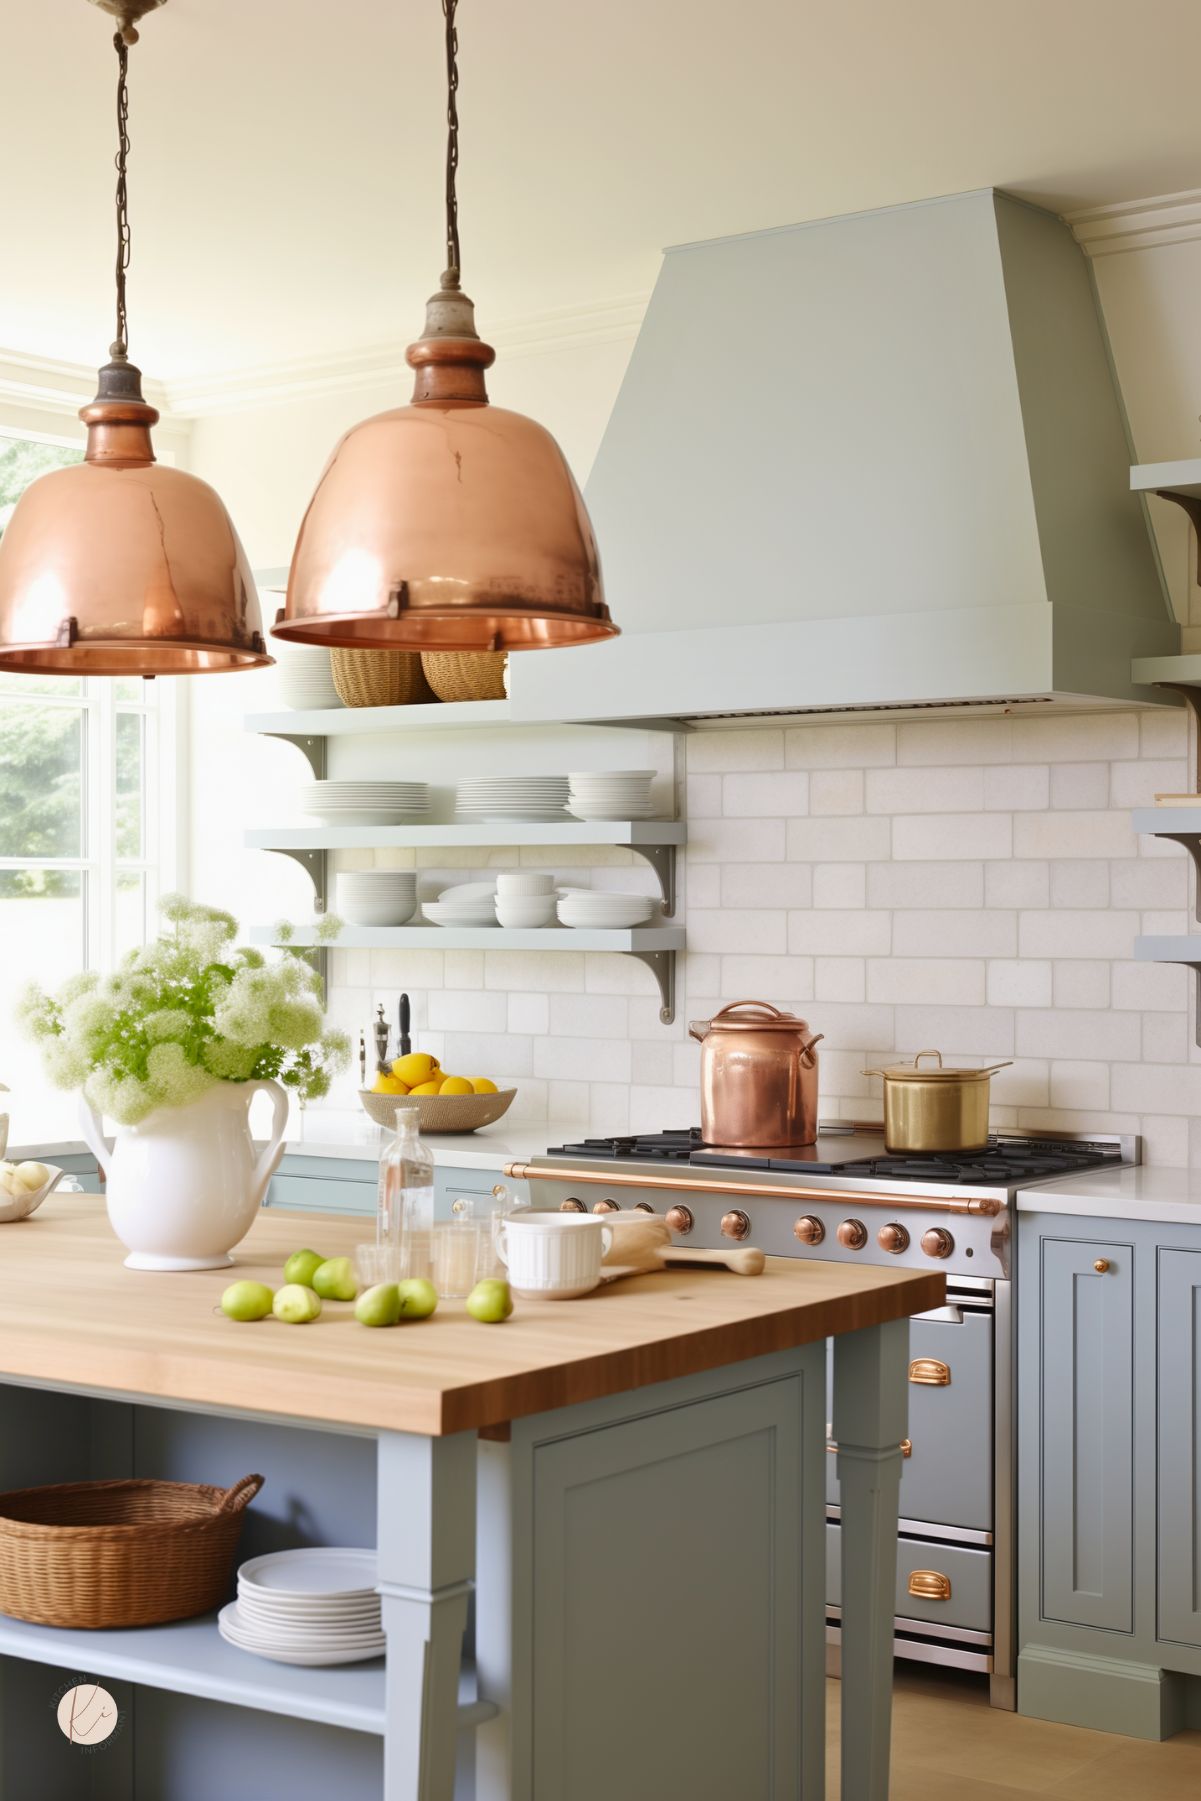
(806, 1051)
(700, 1027)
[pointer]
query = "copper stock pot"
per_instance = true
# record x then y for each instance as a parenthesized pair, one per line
(938, 1109)
(758, 1076)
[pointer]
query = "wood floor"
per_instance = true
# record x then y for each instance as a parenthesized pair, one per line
(949, 1745)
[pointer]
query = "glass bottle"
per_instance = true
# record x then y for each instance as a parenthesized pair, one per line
(404, 1221)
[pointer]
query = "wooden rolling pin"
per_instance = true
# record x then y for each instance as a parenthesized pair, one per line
(642, 1243)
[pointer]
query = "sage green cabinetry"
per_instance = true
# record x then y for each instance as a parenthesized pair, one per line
(1109, 1473)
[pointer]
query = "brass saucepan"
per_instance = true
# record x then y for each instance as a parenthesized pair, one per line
(938, 1109)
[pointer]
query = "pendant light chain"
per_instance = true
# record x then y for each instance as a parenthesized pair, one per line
(452, 141)
(121, 342)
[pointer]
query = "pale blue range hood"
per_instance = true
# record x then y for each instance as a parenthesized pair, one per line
(875, 461)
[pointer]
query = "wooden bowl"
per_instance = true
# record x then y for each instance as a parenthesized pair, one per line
(441, 1113)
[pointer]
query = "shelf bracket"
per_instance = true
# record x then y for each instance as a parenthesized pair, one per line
(1192, 844)
(314, 749)
(662, 965)
(315, 863)
(662, 859)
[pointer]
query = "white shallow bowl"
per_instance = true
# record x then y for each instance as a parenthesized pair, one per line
(525, 916)
(377, 913)
(444, 916)
(467, 891)
(616, 918)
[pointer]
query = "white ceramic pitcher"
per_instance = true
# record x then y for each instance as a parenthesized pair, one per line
(184, 1184)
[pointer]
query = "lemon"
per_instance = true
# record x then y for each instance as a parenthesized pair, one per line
(416, 1067)
(456, 1085)
(388, 1085)
(481, 1085)
(427, 1087)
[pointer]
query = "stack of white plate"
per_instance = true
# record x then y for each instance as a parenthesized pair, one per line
(590, 909)
(376, 897)
(466, 904)
(306, 679)
(316, 1606)
(509, 797)
(367, 803)
(611, 794)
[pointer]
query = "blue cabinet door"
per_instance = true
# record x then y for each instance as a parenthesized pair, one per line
(1178, 1470)
(1086, 1433)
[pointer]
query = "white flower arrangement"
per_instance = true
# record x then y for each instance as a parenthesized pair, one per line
(184, 1013)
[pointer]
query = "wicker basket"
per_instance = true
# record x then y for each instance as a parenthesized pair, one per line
(465, 674)
(441, 1112)
(379, 678)
(103, 1554)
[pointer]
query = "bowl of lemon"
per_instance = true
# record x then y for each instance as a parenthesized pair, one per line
(446, 1103)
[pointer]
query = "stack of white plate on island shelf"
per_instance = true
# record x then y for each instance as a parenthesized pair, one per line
(611, 794)
(494, 799)
(592, 910)
(316, 1606)
(305, 677)
(466, 904)
(367, 803)
(376, 897)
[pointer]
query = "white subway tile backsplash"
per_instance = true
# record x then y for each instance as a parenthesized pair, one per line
(1078, 1034)
(719, 749)
(753, 930)
(1075, 737)
(983, 1032)
(1155, 883)
(1077, 882)
(589, 1016)
(841, 884)
(583, 1059)
(703, 883)
(703, 795)
(652, 1065)
(784, 980)
(839, 979)
(1156, 1088)
(499, 1055)
(866, 746)
(1165, 1038)
(947, 932)
(925, 885)
(1073, 835)
(957, 981)
(837, 791)
(1079, 1084)
(737, 841)
(1067, 933)
(529, 1013)
(468, 1010)
(1137, 784)
(1080, 786)
(1017, 884)
(778, 795)
(758, 885)
(1020, 982)
(924, 790)
(1016, 788)
(943, 836)
(1163, 732)
(1081, 983)
(838, 840)
(1156, 987)
(955, 741)
(857, 934)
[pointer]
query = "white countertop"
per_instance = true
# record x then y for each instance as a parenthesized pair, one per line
(1139, 1192)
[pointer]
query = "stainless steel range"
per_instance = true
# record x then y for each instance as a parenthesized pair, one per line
(843, 1198)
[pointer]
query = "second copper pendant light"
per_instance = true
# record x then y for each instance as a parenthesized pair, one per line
(447, 524)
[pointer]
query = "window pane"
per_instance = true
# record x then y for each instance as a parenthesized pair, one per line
(13, 681)
(40, 782)
(22, 461)
(130, 762)
(129, 912)
(42, 915)
(134, 688)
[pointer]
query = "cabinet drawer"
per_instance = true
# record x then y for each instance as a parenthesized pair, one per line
(966, 1571)
(308, 1195)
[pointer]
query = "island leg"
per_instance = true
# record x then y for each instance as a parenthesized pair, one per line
(426, 1537)
(870, 1413)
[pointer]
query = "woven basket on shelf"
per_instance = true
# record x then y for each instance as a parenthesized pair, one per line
(465, 674)
(105, 1554)
(379, 678)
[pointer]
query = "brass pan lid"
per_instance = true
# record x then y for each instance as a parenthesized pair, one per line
(913, 1072)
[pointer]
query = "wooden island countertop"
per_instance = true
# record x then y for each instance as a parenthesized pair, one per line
(72, 1315)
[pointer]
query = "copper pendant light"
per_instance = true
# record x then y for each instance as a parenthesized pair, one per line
(447, 524)
(117, 566)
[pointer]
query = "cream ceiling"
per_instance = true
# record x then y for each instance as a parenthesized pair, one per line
(286, 163)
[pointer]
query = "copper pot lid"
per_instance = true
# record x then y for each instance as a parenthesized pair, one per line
(751, 1016)
(913, 1072)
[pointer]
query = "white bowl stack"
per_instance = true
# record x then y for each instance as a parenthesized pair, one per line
(367, 803)
(466, 904)
(611, 794)
(376, 897)
(306, 679)
(525, 899)
(497, 798)
(592, 910)
(317, 1606)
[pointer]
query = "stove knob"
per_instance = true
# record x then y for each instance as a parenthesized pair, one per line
(572, 1206)
(893, 1238)
(853, 1234)
(808, 1229)
(606, 1207)
(679, 1218)
(937, 1242)
(735, 1224)
(643, 1207)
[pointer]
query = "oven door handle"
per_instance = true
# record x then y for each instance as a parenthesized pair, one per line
(530, 1172)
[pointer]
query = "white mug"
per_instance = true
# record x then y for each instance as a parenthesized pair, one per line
(553, 1256)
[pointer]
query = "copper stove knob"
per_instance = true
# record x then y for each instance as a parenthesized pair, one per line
(853, 1234)
(808, 1229)
(893, 1237)
(735, 1224)
(572, 1206)
(643, 1207)
(606, 1207)
(937, 1242)
(679, 1218)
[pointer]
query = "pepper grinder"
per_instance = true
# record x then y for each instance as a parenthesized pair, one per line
(381, 1041)
(362, 1059)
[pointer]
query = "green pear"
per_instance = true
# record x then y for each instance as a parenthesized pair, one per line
(296, 1305)
(378, 1306)
(335, 1280)
(302, 1266)
(490, 1301)
(418, 1298)
(247, 1300)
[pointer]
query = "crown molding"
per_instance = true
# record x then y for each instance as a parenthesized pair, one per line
(40, 384)
(1138, 224)
(378, 365)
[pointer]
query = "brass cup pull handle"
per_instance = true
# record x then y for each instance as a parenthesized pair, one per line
(930, 1585)
(1101, 1265)
(930, 1372)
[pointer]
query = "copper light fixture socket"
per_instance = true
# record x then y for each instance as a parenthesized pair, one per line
(118, 566)
(447, 524)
